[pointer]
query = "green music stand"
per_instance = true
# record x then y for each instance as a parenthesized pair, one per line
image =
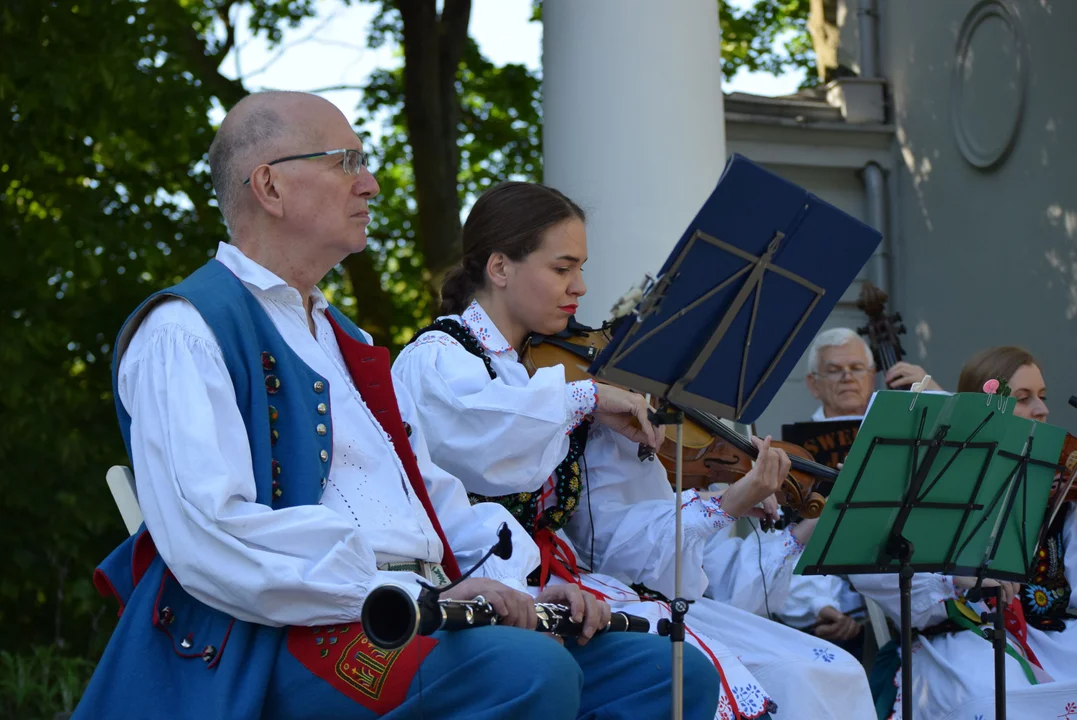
(935, 483)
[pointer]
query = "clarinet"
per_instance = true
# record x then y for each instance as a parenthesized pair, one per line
(391, 617)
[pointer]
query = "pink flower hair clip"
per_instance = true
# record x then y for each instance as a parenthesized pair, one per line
(999, 388)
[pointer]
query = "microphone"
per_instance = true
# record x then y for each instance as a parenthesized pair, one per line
(503, 548)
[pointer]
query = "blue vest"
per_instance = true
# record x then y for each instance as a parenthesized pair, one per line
(164, 658)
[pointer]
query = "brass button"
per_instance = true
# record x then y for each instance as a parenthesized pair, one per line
(322, 430)
(209, 653)
(322, 409)
(324, 481)
(324, 455)
(319, 386)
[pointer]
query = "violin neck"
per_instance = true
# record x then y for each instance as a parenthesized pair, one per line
(734, 438)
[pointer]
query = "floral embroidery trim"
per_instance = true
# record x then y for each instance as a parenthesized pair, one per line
(478, 322)
(790, 544)
(751, 700)
(823, 654)
(711, 509)
(956, 593)
(460, 334)
(431, 338)
(1046, 598)
(583, 399)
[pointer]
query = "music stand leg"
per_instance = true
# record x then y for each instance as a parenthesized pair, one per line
(905, 586)
(674, 627)
(899, 548)
(998, 641)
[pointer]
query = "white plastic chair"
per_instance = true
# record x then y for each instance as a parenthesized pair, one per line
(878, 622)
(121, 481)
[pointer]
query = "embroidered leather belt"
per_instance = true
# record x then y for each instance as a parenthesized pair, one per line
(433, 572)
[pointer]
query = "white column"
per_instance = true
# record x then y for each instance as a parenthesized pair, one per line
(633, 128)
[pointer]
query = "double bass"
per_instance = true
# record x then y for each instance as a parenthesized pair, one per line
(882, 330)
(712, 451)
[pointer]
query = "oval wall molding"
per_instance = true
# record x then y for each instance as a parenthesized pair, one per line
(987, 153)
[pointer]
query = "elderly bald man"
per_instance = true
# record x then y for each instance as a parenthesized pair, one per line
(280, 483)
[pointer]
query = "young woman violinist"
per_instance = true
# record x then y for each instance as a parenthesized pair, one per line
(952, 670)
(563, 458)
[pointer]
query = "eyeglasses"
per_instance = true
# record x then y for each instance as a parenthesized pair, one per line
(354, 160)
(857, 371)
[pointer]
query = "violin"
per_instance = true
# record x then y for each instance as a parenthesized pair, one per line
(1067, 468)
(712, 451)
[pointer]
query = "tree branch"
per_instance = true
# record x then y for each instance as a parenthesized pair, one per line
(224, 12)
(206, 65)
(329, 88)
(285, 47)
(455, 17)
(431, 107)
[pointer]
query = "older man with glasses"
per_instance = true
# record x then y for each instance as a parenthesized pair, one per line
(841, 375)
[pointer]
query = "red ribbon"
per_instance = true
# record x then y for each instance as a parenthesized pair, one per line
(556, 556)
(1014, 617)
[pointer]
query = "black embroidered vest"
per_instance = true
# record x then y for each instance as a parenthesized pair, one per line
(1046, 597)
(568, 477)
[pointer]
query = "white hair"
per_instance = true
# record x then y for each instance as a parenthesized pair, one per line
(834, 337)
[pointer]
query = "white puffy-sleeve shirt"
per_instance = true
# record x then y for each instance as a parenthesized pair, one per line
(500, 436)
(752, 573)
(627, 509)
(306, 565)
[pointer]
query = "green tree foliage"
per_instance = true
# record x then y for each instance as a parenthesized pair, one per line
(497, 136)
(768, 36)
(751, 37)
(105, 197)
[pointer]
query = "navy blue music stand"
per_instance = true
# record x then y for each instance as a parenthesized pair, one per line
(741, 296)
(731, 311)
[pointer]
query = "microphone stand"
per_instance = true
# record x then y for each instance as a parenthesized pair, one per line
(430, 595)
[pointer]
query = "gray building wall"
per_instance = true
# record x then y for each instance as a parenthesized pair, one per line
(981, 182)
(985, 255)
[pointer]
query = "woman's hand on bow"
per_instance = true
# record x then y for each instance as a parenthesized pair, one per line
(626, 413)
